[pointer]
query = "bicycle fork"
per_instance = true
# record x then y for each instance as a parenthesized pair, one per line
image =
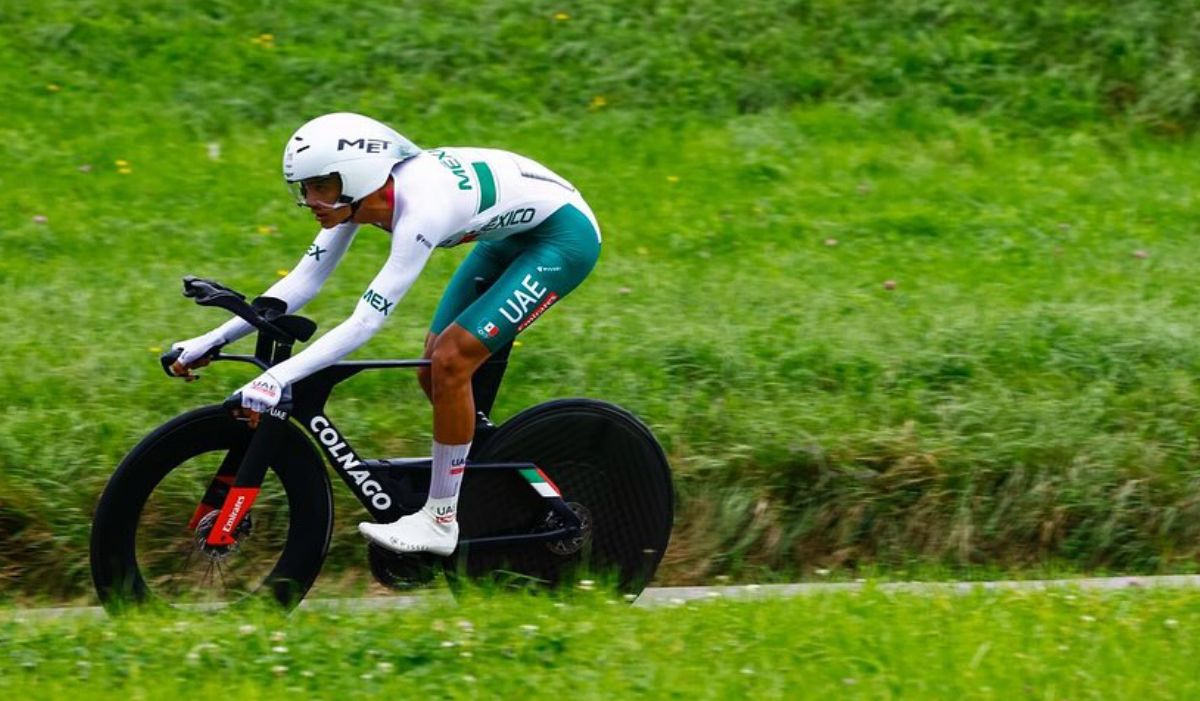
(241, 488)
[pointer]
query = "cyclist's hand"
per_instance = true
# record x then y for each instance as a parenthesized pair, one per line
(262, 394)
(193, 353)
(178, 369)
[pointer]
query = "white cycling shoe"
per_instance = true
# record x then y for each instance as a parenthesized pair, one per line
(423, 531)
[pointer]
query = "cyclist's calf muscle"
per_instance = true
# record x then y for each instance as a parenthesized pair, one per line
(456, 355)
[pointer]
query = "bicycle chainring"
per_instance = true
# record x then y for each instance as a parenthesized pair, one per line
(570, 546)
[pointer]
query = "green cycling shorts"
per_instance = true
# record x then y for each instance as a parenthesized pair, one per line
(525, 274)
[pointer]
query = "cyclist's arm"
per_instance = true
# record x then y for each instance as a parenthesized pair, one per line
(410, 250)
(300, 285)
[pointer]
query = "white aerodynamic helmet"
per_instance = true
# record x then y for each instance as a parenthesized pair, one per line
(347, 154)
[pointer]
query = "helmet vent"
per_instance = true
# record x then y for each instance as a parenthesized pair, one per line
(301, 149)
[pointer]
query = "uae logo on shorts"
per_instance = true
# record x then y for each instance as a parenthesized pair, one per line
(488, 330)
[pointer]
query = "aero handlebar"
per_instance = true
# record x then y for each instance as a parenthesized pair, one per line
(261, 315)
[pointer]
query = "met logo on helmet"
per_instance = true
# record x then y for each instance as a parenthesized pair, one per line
(368, 145)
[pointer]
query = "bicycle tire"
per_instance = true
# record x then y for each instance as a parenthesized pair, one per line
(298, 467)
(601, 457)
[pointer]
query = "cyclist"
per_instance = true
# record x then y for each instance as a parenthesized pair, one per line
(537, 240)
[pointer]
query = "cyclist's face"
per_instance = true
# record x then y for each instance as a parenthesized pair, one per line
(321, 192)
(330, 217)
(321, 196)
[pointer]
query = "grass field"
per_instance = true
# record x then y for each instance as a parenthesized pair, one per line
(1022, 392)
(1063, 644)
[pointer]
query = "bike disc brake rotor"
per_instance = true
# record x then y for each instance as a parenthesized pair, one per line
(220, 552)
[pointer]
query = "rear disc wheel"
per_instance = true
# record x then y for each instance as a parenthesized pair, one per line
(611, 472)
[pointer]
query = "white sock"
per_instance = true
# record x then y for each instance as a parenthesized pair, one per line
(444, 511)
(449, 463)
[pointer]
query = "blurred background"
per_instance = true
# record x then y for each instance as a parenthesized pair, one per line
(904, 286)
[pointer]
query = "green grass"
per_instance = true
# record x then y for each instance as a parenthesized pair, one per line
(1063, 644)
(1025, 395)
(1024, 63)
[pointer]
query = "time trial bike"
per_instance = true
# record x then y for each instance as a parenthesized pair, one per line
(209, 508)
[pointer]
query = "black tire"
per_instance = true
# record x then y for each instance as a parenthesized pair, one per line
(299, 470)
(602, 458)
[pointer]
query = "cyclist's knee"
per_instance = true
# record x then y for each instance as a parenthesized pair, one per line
(449, 364)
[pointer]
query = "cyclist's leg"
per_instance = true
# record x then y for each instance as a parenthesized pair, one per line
(556, 258)
(563, 249)
(485, 264)
(557, 255)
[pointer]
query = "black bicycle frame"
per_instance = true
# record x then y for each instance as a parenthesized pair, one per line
(242, 475)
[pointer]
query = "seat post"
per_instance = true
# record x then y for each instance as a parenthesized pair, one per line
(485, 384)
